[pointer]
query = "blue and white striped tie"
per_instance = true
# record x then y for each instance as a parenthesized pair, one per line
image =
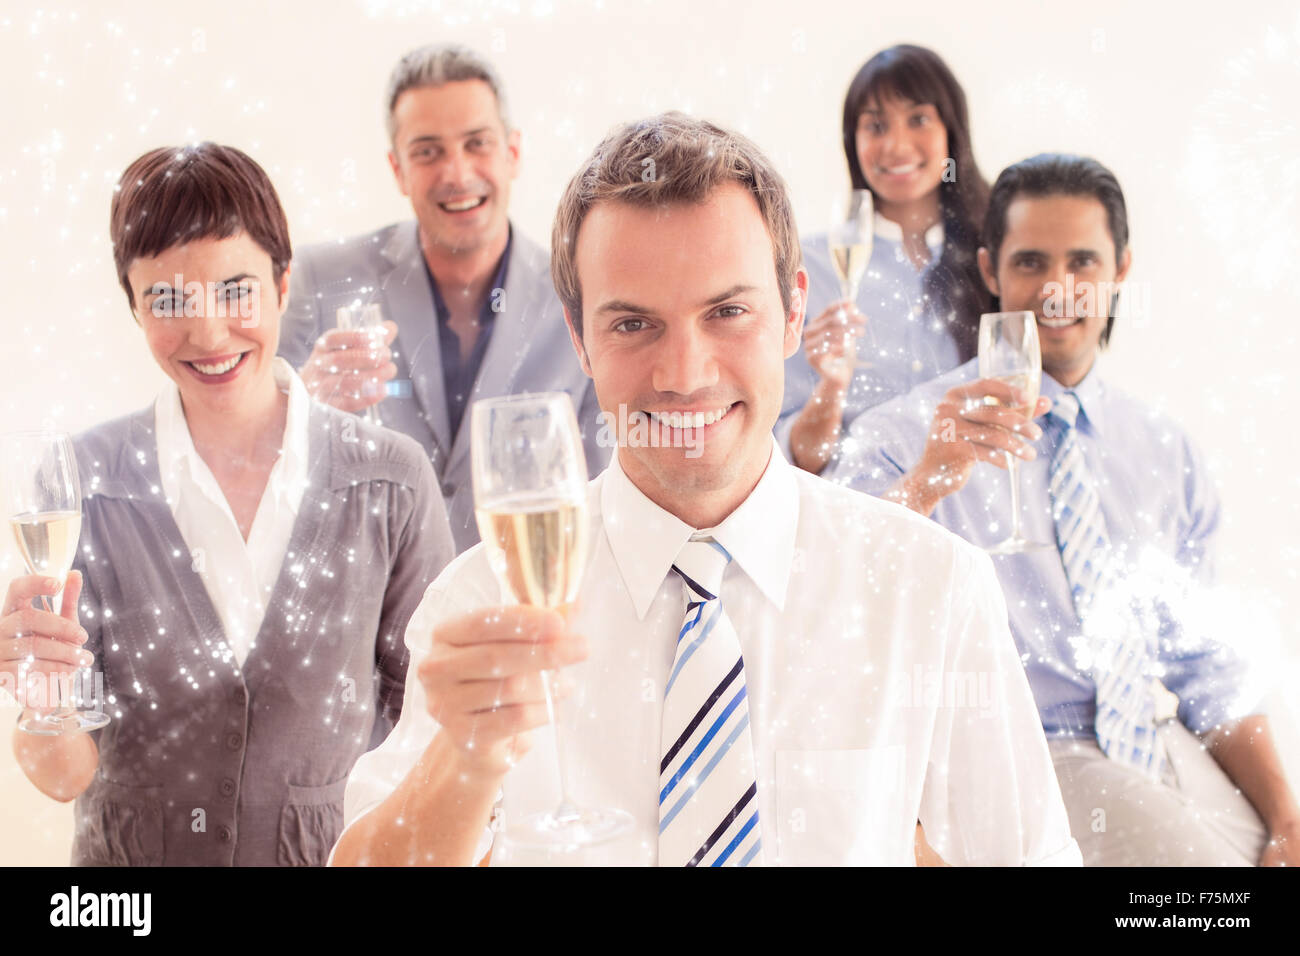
(1125, 723)
(708, 802)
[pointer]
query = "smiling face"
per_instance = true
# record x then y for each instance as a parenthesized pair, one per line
(683, 323)
(1056, 245)
(454, 158)
(902, 148)
(210, 311)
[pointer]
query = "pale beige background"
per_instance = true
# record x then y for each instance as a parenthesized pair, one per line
(1195, 112)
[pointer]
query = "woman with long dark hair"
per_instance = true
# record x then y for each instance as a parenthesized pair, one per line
(906, 138)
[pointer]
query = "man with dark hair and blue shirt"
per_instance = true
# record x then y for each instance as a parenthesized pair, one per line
(1152, 723)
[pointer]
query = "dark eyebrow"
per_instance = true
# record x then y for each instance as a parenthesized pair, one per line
(153, 287)
(731, 293)
(1040, 252)
(622, 305)
(907, 104)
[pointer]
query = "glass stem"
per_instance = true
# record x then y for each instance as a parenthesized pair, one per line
(62, 701)
(1013, 472)
(566, 808)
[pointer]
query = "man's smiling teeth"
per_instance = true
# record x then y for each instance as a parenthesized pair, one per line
(219, 369)
(689, 419)
(462, 204)
(1057, 323)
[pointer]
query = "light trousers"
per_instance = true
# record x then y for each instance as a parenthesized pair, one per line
(1194, 816)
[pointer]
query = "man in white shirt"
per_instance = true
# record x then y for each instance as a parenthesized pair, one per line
(875, 682)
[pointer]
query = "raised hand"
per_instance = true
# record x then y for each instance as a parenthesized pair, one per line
(348, 369)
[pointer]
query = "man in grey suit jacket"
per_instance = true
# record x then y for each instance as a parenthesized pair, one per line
(472, 311)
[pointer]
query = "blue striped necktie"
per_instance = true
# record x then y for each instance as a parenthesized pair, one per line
(708, 801)
(1125, 723)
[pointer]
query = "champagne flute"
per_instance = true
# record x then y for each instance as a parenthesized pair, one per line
(359, 317)
(1009, 353)
(43, 494)
(849, 242)
(530, 499)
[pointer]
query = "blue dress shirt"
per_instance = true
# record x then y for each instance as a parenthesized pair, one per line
(1159, 505)
(459, 375)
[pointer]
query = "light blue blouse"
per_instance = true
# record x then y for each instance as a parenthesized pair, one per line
(907, 344)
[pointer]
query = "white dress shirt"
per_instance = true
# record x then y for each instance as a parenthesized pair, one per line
(883, 684)
(239, 575)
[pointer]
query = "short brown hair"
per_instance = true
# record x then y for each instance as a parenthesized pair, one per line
(665, 159)
(176, 194)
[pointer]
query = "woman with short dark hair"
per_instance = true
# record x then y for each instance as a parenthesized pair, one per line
(248, 559)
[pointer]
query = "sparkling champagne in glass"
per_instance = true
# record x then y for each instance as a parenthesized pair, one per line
(43, 495)
(1009, 352)
(849, 243)
(359, 317)
(530, 499)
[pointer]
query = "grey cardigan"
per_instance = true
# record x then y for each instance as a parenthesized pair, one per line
(205, 764)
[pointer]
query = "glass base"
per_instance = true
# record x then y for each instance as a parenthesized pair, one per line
(59, 722)
(1017, 546)
(569, 828)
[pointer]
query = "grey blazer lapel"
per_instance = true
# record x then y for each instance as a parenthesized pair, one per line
(507, 352)
(409, 302)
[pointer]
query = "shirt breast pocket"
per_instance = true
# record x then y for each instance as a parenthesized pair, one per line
(842, 807)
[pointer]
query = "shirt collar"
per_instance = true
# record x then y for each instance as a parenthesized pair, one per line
(888, 229)
(177, 454)
(645, 539)
(1091, 393)
(295, 445)
(174, 442)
